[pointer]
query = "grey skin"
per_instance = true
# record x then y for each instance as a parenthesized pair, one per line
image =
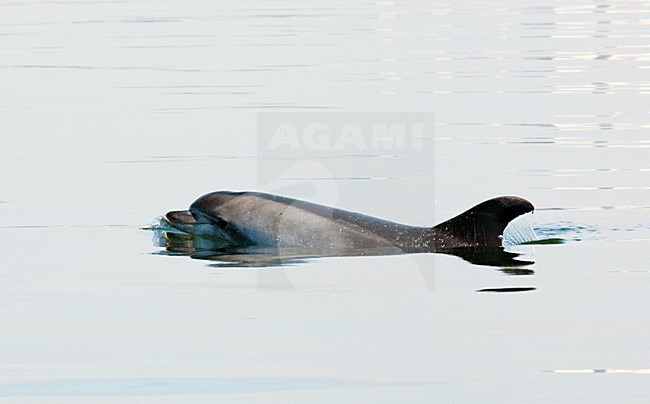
(259, 219)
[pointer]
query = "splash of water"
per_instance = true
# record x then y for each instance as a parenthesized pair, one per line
(519, 231)
(156, 224)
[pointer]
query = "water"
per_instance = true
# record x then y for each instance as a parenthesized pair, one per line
(113, 113)
(519, 231)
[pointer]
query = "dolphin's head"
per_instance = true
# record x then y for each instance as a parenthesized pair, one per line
(194, 224)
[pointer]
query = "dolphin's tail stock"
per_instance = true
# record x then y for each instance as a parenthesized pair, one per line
(483, 224)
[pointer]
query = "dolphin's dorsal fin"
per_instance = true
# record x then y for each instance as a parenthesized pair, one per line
(483, 224)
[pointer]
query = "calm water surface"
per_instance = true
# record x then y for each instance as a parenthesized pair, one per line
(112, 113)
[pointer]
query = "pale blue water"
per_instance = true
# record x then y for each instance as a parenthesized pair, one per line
(113, 113)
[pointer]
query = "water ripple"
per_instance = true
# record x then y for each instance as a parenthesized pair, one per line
(176, 386)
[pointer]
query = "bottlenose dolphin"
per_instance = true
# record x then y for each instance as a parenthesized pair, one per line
(265, 220)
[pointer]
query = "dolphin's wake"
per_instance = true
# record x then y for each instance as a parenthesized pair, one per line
(519, 231)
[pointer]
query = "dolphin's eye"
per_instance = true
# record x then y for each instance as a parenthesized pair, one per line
(221, 223)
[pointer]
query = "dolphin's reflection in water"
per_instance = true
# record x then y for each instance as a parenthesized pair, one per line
(228, 256)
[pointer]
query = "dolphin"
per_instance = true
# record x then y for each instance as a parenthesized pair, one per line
(264, 220)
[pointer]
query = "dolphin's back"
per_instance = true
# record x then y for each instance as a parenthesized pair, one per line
(276, 221)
